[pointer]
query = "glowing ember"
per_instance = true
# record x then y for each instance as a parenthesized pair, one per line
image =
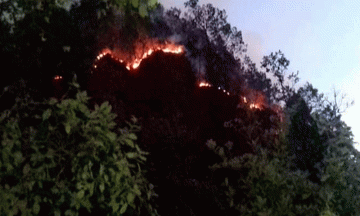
(57, 77)
(202, 84)
(205, 84)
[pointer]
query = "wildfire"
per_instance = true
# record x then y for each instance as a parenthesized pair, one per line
(142, 53)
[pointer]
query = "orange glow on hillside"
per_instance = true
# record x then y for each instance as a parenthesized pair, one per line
(141, 52)
(255, 99)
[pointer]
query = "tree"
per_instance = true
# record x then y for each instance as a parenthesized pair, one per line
(276, 65)
(340, 170)
(304, 139)
(213, 22)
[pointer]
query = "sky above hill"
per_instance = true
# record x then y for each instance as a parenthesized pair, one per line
(320, 38)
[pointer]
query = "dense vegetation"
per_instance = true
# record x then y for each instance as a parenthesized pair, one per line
(191, 150)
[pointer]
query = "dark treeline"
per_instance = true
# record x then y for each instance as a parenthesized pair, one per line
(209, 152)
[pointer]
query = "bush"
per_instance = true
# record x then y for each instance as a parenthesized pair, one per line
(69, 161)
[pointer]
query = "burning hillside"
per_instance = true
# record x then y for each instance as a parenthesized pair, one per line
(158, 78)
(178, 111)
(141, 53)
(157, 74)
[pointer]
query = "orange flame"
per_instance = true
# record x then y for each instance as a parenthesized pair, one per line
(202, 84)
(205, 84)
(255, 99)
(58, 77)
(142, 52)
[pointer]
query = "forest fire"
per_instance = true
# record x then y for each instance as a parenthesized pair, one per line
(142, 52)
(259, 100)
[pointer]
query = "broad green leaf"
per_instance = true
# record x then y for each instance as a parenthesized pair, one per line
(130, 197)
(80, 194)
(123, 208)
(131, 155)
(136, 190)
(46, 114)
(67, 128)
(130, 143)
(142, 158)
(102, 187)
(135, 3)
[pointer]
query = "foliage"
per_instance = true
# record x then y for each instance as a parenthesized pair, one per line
(304, 139)
(69, 161)
(265, 185)
(276, 64)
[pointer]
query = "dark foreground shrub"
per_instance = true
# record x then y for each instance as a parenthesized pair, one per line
(69, 161)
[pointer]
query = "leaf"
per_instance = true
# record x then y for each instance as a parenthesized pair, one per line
(102, 187)
(36, 208)
(101, 171)
(130, 197)
(131, 155)
(136, 190)
(46, 114)
(67, 128)
(118, 177)
(152, 2)
(135, 3)
(221, 152)
(26, 169)
(129, 143)
(132, 136)
(111, 136)
(123, 208)
(115, 206)
(142, 10)
(92, 185)
(80, 194)
(99, 143)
